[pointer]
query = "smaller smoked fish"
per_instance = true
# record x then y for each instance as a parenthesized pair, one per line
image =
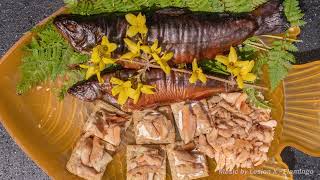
(169, 89)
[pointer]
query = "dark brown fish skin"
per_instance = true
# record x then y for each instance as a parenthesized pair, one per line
(189, 35)
(169, 89)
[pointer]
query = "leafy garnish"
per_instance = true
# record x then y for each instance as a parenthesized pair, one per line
(256, 98)
(212, 66)
(85, 7)
(293, 12)
(239, 6)
(48, 57)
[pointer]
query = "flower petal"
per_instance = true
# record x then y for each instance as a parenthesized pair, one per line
(132, 19)
(116, 90)
(133, 47)
(132, 31)
(102, 66)
(167, 56)
(84, 66)
(246, 69)
(99, 77)
(158, 51)
(116, 81)
(155, 45)
(90, 72)
(147, 89)
(95, 56)
(141, 19)
(112, 47)
(202, 77)
(233, 57)
(250, 77)
(143, 30)
(222, 59)
(193, 79)
(156, 57)
(108, 60)
(128, 55)
(105, 41)
(242, 63)
(194, 65)
(127, 84)
(240, 82)
(146, 49)
(122, 98)
(234, 71)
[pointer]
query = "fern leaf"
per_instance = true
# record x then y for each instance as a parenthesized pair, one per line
(293, 12)
(47, 57)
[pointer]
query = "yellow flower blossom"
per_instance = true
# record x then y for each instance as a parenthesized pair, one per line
(93, 70)
(122, 89)
(145, 89)
(240, 69)
(197, 73)
(100, 57)
(138, 25)
(133, 48)
(153, 49)
(163, 61)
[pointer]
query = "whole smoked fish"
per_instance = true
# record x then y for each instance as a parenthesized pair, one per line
(169, 89)
(188, 34)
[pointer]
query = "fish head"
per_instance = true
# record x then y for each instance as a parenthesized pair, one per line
(86, 90)
(82, 34)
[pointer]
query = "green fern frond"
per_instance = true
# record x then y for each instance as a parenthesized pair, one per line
(293, 12)
(47, 57)
(239, 6)
(256, 98)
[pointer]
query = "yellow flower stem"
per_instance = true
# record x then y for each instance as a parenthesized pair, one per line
(190, 72)
(258, 47)
(282, 38)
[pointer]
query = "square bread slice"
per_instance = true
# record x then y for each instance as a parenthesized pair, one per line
(89, 158)
(154, 126)
(146, 162)
(185, 162)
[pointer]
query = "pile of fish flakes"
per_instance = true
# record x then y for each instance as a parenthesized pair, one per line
(224, 127)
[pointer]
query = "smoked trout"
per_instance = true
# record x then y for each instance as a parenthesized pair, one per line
(169, 89)
(188, 34)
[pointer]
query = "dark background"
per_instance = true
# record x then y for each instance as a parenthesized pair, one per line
(19, 16)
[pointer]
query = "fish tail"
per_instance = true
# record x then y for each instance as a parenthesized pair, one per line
(270, 18)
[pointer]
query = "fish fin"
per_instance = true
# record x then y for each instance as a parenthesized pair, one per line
(172, 11)
(270, 18)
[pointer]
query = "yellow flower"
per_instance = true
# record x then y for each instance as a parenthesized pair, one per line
(93, 70)
(138, 25)
(145, 89)
(240, 69)
(103, 52)
(133, 48)
(122, 89)
(245, 75)
(153, 49)
(197, 73)
(100, 57)
(163, 61)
